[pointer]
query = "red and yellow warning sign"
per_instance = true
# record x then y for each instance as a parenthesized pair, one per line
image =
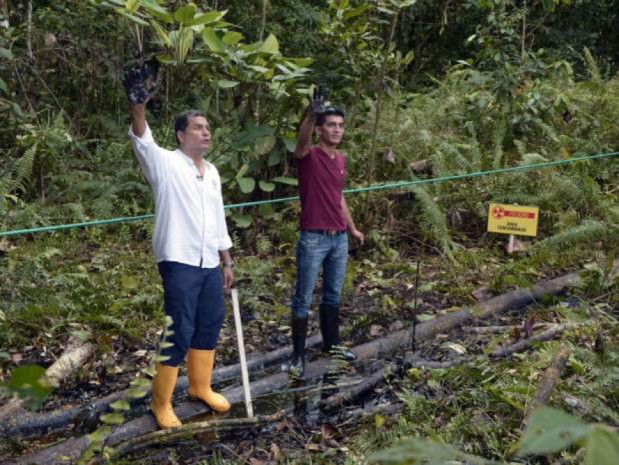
(513, 219)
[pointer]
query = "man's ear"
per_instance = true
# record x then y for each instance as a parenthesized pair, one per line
(181, 136)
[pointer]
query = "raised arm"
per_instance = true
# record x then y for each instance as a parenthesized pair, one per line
(138, 113)
(304, 138)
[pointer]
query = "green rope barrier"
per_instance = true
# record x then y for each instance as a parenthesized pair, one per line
(395, 185)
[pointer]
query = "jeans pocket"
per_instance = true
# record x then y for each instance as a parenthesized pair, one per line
(309, 239)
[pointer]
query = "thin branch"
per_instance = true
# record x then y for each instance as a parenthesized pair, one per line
(172, 435)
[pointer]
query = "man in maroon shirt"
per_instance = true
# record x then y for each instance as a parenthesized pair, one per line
(325, 220)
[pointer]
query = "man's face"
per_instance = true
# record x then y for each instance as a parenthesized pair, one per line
(332, 131)
(196, 138)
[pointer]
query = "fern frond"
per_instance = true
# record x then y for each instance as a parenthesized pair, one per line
(21, 172)
(438, 164)
(58, 122)
(434, 219)
(532, 158)
(578, 236)
(498, 137)
(520, 199)
(473, 149)
(594, 70)
(548, 131)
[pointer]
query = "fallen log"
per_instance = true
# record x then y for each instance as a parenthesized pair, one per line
(549, 380)
(72, 448)
(497, 329)
(28, 425)
(336, 401)
(162, 437)
(74, 356)
(523, 344)
(349, 394)
(415, 362)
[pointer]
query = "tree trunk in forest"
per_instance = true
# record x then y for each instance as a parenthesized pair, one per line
(73, 448)
(29, 32)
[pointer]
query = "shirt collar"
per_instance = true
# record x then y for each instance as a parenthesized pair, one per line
(190, 161)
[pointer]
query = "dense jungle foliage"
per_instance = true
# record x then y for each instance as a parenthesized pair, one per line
(431, 89)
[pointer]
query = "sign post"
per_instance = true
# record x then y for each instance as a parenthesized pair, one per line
(513, 220)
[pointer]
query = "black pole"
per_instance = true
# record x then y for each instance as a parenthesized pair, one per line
(414, 336)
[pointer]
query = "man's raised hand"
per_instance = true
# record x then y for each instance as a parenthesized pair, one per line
(140, 83)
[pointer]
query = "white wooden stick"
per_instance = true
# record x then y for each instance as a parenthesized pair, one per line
(239, 336)
(510, 244)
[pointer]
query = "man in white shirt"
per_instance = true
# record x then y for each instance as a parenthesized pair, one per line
(189, 240)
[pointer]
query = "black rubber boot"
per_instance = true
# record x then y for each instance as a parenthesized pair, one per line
(299, 333)
(330, 329)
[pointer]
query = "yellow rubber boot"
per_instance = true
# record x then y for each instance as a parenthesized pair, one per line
(163, 388)
(199, 371)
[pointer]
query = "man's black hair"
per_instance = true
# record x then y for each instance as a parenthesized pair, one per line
(182, 121)
(329, 111)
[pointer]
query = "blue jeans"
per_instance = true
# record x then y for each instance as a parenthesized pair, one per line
(316, 251)
(194, 299)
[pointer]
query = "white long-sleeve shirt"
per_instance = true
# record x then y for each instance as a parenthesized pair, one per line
(190, 224)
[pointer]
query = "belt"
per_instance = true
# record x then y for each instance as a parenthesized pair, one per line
(325, 232)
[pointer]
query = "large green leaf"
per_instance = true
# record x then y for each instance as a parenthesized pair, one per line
(121, 405)
(30, 384)
(286, 180)
(157, 10)
(357, 11)
(266, 186)
(162, 34)
(242, 170)
(408, 58)
(182, 42)
(251, 135)
(416, 450)
(264, 145)
(602, 447)
(212, 41)
(113, 419)
(132, 6)
(6, 53)
(260, 69)
(551, 430)
(246, 185)
(185, 14)
(226, 84)
(133, 18)
(242, 221)
(270, 45)
(232, 37)
(274, 158)
(209, 17)
(290, 144)
(3, 87)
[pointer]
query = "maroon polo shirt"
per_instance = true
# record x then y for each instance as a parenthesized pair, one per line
(321, 181)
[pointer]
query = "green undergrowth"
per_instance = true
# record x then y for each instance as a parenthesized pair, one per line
(479, 407)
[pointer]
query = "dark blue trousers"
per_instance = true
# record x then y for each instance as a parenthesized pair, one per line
(194, 299)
